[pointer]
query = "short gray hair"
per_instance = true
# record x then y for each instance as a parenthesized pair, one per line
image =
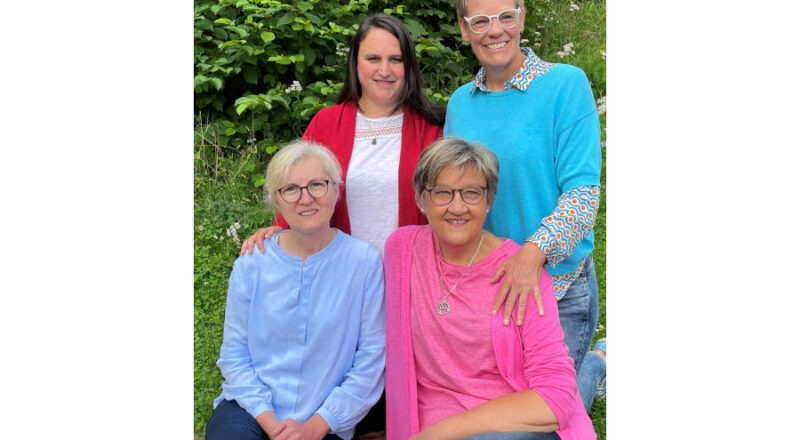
(288, 156)
(453, 151)
(461, 7)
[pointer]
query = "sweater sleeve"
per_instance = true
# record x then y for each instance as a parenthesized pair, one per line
(548, 369)
(569, 223)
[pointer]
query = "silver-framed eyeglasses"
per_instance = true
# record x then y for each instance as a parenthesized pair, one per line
(443, 195)
(291, 193)
(480, 24)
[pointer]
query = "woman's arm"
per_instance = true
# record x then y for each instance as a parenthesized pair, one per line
(241, 381)
(558, 235)
(349, 402)
(523, 411)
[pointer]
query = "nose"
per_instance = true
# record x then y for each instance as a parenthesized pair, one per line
(384, 69)
(495, 29)
(457, 206)
(305, 196)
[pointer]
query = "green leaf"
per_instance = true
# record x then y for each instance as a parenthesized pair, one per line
(224, 21)
(217, 83)
(286, 19)
(267, 37)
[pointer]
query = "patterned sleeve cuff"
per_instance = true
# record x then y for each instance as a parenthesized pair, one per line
(543, 241)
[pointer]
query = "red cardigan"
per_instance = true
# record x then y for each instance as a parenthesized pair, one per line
(335, 127)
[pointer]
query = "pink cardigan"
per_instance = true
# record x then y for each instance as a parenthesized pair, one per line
(335, 127)
(555, 382)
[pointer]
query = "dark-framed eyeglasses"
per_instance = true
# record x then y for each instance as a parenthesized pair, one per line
(444, 195)
(480, 24)
(316, 188)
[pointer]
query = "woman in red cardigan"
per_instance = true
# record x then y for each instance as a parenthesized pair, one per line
(377, 130)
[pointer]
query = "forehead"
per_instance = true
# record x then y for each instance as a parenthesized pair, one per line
(488, 6)
(454, 176)
(379, 40)
(309, 167)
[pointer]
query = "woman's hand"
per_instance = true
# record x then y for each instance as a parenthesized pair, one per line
(522, 272)
(258, 239)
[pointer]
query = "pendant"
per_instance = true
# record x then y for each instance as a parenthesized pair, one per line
(443, 308)
(374, 141)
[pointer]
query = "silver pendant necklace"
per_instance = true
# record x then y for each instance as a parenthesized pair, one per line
(378, 129)
(444, 307)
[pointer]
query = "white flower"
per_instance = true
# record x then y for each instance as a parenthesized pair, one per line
(573, 7)
(603, 54)
(567, 50)
(295, 87)
(232, 232)
(341, 49)
(601, 105)
(523, 41)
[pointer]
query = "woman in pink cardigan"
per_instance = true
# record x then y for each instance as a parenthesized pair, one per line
(452, 370)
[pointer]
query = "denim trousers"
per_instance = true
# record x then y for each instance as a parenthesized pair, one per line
(515, 436)
(579, 311)
(231, 422)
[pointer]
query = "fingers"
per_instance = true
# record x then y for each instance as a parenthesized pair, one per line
(537, 296)
(523, 303)
(501, 296)
(512, 298)
(247, 247)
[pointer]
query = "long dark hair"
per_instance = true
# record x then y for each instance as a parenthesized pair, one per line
(413, 92)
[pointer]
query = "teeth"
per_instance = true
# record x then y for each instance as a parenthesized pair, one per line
(306, 213)
(496, 45)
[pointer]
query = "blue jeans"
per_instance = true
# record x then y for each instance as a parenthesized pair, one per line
(516, 436)
(231, 422)
(579, 311)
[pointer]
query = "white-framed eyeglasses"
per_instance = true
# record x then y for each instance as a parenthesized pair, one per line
(480, 24)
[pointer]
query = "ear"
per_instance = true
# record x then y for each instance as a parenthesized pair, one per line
(465, 31)
(522, 20)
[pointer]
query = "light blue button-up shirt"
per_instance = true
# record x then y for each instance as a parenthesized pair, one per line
(306, 337)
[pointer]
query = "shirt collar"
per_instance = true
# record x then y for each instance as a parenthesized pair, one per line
(532, 67)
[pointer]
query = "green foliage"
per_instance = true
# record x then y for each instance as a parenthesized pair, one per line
(263, 68)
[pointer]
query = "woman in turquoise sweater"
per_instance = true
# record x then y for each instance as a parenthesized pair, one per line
(541, 121)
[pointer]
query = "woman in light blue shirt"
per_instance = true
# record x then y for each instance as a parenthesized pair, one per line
(303, 349)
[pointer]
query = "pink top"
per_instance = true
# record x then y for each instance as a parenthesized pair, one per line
(532, 356)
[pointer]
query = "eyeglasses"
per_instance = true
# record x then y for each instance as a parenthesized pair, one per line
(316, 188)
(470, 194)
(480, 24)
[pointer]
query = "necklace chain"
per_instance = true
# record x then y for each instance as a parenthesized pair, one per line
(444, 307)
(376, 128)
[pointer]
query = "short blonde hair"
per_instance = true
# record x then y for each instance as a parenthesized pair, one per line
(288, 156)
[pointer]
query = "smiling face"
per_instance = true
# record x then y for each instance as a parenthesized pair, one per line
(458, 225)
(498, 50)
(381, 72)
(308, 215)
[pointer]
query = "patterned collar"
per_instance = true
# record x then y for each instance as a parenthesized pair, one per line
(533, 67)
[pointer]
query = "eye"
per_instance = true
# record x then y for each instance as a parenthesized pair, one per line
(396, 60)
(442, 192)
(471, 194)
(480, 21)
(507, 17)
(290, 188)
(316, 184)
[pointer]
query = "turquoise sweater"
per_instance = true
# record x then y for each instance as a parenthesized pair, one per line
(547, 140)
